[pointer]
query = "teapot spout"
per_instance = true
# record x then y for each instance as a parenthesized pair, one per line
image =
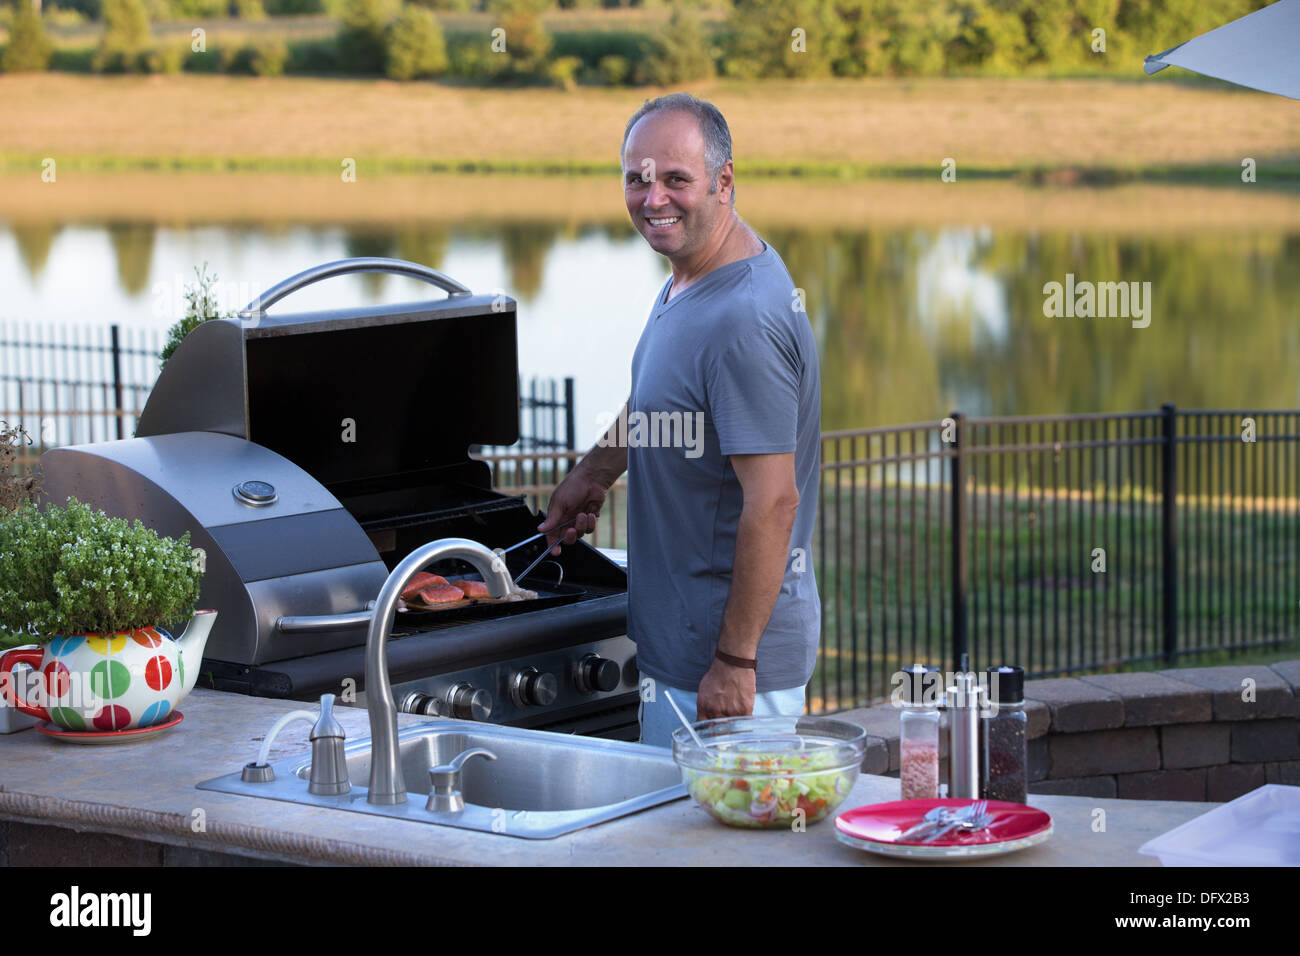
(191, 644)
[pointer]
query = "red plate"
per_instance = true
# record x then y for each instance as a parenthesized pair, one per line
(885, 822)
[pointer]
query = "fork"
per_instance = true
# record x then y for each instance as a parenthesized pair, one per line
(970, 817)
(938, 816)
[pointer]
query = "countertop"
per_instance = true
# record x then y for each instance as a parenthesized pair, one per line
(146, 790)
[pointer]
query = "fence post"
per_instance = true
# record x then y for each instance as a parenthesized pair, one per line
(959, 566)
(117, 381)
(570, 436)
(1169, 547)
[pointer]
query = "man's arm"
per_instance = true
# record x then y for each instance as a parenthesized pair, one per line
(771, 500)
(582, 493)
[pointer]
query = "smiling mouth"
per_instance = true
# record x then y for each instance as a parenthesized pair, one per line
(663, 223)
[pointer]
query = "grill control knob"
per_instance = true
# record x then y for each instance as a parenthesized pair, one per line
(598, 674)
(417, 703)
(532, 688)
(467, 703)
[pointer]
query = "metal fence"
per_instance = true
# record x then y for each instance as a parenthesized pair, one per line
(546, 419)
(70, 384)
(1059, 543)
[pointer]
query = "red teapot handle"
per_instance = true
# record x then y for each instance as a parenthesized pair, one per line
(32, 656)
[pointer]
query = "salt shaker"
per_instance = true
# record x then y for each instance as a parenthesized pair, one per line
(963, 738)
(1006, 764)
(918, 733)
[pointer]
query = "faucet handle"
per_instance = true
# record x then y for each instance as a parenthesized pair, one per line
(326, 724)
(444, 790)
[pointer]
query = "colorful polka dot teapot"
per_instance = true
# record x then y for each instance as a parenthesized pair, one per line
(107, 682)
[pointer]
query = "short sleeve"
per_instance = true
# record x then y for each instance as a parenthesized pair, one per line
(753, 395)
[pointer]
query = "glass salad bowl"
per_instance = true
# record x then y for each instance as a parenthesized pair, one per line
(770, 772)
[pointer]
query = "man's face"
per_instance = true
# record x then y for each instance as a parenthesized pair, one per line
(666, 183)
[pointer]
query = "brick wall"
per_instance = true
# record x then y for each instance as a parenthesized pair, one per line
(1204, 733)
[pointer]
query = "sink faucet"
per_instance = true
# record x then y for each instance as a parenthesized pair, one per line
(387, 783)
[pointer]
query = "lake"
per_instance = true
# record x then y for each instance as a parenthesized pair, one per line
(923, 300)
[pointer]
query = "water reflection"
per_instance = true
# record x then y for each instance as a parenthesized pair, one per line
(911, 322)
(133, 248)
(34, 242)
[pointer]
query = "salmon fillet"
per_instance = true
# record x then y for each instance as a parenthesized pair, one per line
(441, 594)
(472, 589)
(420, 582)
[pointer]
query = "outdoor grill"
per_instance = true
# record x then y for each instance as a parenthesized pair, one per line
(308, 454)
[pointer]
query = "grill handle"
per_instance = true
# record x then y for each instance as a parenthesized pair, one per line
(325, 622)
(342, 267)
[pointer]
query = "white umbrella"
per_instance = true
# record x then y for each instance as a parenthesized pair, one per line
(1261, 51)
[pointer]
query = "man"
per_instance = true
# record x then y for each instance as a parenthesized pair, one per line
(722, 601)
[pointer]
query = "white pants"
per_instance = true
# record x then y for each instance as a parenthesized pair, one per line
(658, 720)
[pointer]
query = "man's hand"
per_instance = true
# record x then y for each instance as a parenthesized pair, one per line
(577, 497)
(726, 691)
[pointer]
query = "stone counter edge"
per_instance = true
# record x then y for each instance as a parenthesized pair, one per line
(175, 829)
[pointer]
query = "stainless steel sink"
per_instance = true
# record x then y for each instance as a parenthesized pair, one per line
(540, 786)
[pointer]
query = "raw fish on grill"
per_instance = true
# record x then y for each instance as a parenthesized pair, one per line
(472, 589)
(420, 582)
(442, 594)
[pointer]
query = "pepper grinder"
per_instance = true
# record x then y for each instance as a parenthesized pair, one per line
(963, 736)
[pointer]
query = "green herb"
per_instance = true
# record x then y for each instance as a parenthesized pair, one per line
(75, 570)
(200, 306)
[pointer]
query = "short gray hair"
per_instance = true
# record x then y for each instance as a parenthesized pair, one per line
(717, 137)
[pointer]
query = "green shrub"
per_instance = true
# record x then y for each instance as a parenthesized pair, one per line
(168, 58)
(268, 57)
(313, 56)
(250, 10)
(363, 37)
(415, 46)
(77, 59)
(205, 61)
(90, 9)
(281, 8)
(563, 71)
(527, 44)
(680, 53)
(614, 70)
(198, 9)
(29, 48)
(126, 39)
(75, 570)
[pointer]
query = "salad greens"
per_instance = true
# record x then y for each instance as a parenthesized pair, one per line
(766, 789)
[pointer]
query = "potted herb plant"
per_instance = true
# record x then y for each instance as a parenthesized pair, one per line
(93, 592)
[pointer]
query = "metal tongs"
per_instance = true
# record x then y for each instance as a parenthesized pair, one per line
(541, 557)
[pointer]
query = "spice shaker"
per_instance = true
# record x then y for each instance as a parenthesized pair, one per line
(963, 737)
(918, 733)
(1006, 763)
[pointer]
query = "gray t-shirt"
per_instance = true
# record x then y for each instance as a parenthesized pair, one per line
(726, 367)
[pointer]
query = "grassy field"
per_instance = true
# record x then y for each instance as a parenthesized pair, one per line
(1095, 130)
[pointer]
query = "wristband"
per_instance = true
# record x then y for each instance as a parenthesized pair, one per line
(734, 661)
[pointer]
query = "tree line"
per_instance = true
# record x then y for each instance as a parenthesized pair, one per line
(747, 39)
